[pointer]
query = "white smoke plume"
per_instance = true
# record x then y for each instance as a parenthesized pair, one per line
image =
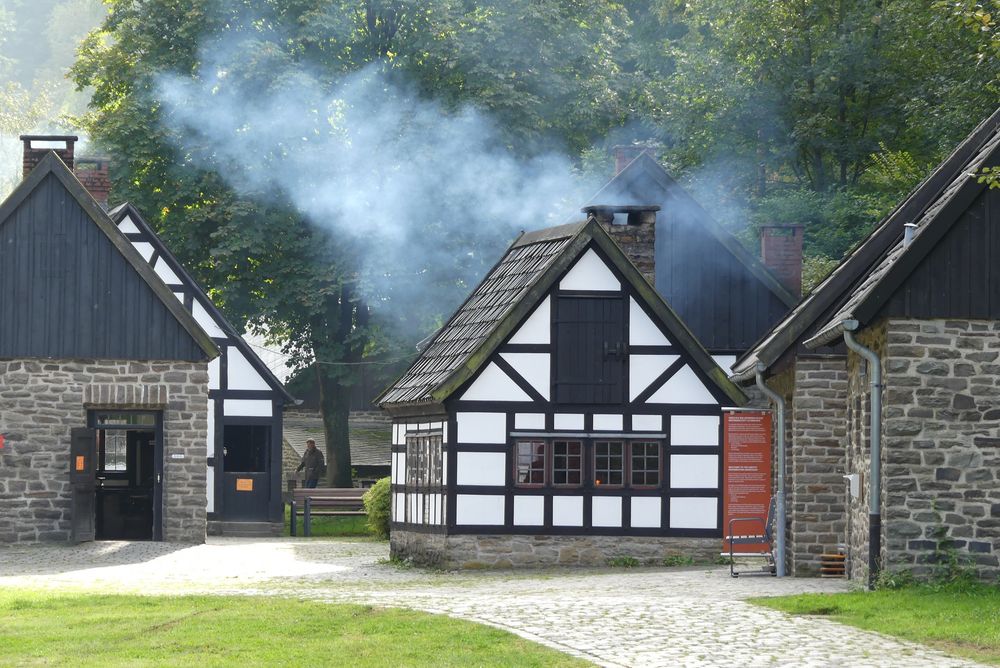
(413, 189)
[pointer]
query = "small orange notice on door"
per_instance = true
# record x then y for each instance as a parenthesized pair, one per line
(244, 484)
(81, 462)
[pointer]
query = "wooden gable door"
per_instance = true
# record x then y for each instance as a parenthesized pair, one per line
(591, 349)
(83, 484)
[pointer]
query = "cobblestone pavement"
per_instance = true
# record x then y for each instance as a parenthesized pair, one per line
(641, 617)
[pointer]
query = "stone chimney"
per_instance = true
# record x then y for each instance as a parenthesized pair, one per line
(36, 146)
(781, 252)
(625, 154)
(634, 229)
(93, 174)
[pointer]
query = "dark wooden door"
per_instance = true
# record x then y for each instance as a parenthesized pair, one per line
(83, 483)
(246, 473)
(591, 350)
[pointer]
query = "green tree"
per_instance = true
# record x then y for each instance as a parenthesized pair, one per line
(545, 69)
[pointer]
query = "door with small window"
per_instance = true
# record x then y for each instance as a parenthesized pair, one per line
(591, 349)
(246, 452)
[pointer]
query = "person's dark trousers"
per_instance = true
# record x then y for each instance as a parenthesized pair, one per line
(311, 484)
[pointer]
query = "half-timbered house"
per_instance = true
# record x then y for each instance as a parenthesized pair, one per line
(244, 469)
(564, 414)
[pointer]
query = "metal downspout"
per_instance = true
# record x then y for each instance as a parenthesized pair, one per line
(779, 504)
(875, 492)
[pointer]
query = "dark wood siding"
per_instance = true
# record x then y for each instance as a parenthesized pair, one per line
(590, 350)
(67, 292)
(724, 304)
(960, 277)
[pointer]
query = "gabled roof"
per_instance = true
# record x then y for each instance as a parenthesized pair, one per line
(127, 209)
(510, 291)
(888, 274)
(827, 298)
(52, 165)
(644, 167)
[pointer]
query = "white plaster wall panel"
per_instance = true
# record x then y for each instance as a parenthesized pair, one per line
(399, 468)
(418, 508)
(568, 421)
(214, 375)
(567, 511)
(164, 271)
(444, 432)
(444, 466)
(435, 426)
(726, 362)
(494, 385)
(606, 511)
(694, 471)
(645, 511)
(605, 422)
(481, 468)
(590, 273)
(398, 502)
(395, 434)
(475, 427)
(145, 249)
(210, 449)
(127, 226)
(424, 426)
(247, 407)
(684, 387)
(693, 513)
(647, 423)
(241, 374)
(644, 369)
(529, 511)
(642, 331)
(537, 328)
(533, 367)
(479, 509)
(206, 321)
(180, 296)
(529, 421)
(694, 430)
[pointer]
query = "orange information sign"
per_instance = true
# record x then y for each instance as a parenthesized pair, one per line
(81, 462)
(244, 484)
(747, 470)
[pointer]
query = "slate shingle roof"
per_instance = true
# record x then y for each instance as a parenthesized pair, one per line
(831, 294)
(371, 437)
(864, 290)
(518, 270)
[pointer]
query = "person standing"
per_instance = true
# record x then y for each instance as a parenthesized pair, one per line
(313, 463)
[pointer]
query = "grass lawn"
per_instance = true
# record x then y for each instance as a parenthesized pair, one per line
(345, 526)
(89, 630)
(964, 621)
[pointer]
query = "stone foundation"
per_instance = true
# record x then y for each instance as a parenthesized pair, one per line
(41, 401)
(527, 551)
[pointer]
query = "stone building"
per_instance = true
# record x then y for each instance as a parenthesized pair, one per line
(564, 414)
(914, 310)
(103, 377)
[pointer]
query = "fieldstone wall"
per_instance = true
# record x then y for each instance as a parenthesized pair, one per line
(816, 489)
(942, 444)
(41, 401)
(528, 551)
(859, 451)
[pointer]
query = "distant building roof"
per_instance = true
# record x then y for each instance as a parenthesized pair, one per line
(371, 435)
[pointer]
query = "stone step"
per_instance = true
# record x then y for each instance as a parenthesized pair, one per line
(246, 529)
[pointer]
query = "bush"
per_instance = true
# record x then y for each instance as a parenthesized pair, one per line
(623, 562)
(378, 502)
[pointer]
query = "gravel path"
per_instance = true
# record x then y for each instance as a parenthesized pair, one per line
(641, 617)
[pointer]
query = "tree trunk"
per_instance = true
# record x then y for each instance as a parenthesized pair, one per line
(335, 407)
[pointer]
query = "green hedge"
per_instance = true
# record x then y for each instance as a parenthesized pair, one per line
(378, 501)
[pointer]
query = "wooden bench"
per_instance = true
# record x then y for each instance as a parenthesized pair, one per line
(324, 501)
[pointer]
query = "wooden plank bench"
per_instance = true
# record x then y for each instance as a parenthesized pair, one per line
(324, 501)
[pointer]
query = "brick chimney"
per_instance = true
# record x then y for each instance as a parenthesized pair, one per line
(36, 146)
(624, 154)
(93, 174)
(634, 229)
(781, 252)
